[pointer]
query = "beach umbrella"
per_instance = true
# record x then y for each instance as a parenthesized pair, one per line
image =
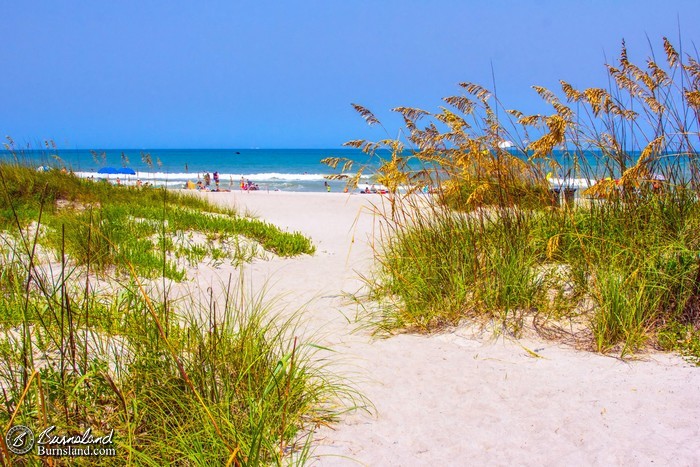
(126, 171)
(108, 171)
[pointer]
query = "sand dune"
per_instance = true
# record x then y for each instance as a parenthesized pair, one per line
(460, 399)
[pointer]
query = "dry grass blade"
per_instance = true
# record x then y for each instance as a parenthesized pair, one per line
(515, 113)
(366, 114)
(693, 98)
(455, 122)
(461, 103)
(545, 94)
(672, 56)
(411, 113)
(571, 94)
(474, 89)
(356, 143)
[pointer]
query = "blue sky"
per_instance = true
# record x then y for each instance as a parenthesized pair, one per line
(233, 74)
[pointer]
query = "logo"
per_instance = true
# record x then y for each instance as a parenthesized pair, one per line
(19, 439)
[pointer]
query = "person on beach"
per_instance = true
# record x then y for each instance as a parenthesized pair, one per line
(119, 182)
(216, 180)
(242, 183)
(138, 183)
(328, 187)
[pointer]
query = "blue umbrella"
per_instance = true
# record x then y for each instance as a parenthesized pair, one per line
(126, 171)
(108, 171)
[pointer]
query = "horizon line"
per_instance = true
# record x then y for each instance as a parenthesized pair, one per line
(170, 149)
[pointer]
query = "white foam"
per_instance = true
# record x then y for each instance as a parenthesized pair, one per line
(579, 183)
(184, 176)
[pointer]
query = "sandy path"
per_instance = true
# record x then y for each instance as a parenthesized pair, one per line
(456, 400)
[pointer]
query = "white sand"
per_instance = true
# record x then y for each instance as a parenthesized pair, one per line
(452, 399)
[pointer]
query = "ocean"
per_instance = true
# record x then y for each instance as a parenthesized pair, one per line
(270, 169)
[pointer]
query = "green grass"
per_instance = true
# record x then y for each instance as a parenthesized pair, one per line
(682, 338)
(189, 387)
(120, 226)
(613, 271)
(444, 267)
(180, 382)
(637, 264)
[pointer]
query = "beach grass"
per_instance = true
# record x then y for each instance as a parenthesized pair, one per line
(117, 225)
(89, 340)
(479, 234)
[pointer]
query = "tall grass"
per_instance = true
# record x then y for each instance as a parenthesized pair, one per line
(126, 223)
(180, 382)
(491, 241)
(445, 266)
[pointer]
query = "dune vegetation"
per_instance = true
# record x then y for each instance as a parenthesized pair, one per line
(477, 230)
(90, 339)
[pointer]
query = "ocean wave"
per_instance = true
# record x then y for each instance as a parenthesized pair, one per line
(280, 179)
(224, 177)
(578, 183)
